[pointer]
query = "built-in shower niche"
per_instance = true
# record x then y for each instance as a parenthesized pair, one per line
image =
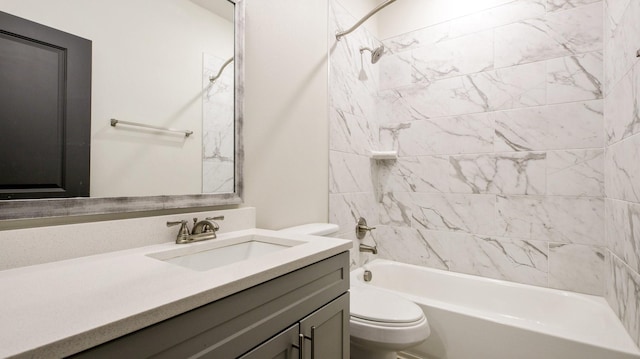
(382, 163)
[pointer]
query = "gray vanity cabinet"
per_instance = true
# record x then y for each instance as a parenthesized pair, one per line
(264, 321)
(322, 334)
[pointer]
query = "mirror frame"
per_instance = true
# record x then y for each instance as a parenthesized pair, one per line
(45, 208)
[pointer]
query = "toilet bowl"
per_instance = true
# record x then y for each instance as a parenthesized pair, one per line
(381, 323)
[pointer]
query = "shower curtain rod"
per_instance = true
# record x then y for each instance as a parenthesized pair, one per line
(365, 18)
(212, 79)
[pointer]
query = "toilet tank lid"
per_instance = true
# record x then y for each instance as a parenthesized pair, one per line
(316, 229)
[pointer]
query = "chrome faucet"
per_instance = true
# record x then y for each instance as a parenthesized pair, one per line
(361, 230)
(366, 248)
(202, 230)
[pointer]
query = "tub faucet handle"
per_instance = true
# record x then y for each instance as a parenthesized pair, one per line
(362, 228)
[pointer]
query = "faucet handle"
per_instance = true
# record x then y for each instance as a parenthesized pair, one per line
(183, 232)
(175, 223)
(362, 228)
(216, 226)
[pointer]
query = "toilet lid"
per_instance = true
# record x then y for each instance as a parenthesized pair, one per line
(379, 306)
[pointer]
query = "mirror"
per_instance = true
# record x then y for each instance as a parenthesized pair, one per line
(151, 65)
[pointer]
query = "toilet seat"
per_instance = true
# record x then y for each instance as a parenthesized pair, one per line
(370, 305)
(372, 323)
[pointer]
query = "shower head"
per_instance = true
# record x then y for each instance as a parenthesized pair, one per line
(376, 53)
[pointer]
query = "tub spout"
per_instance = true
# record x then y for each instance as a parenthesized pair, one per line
(367, 248)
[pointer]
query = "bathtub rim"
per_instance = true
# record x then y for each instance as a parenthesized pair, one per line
(356, 279)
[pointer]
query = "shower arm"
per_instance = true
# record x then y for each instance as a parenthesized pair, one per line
(212, 79)
(365, 18)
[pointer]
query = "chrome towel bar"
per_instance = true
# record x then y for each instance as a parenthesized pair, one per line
(115, 122)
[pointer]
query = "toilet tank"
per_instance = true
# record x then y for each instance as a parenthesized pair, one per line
(316, 229)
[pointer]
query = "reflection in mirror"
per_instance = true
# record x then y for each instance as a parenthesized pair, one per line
(217, 126)
(151, 64)
(218, 112)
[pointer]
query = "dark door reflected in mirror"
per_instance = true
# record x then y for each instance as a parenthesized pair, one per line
(45, 111)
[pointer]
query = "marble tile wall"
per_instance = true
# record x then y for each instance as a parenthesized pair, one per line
(353, 85)
(517, 130)
(498, 121)
(622, 172)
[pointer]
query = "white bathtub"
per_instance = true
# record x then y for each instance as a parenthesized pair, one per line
(479, 318)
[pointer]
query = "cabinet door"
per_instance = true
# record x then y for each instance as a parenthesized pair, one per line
(326, 331)
(282, 346)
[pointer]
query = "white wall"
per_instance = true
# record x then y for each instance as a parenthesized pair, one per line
(147, 67)
(286, 126)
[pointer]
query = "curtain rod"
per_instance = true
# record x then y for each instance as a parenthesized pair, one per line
(365, 18)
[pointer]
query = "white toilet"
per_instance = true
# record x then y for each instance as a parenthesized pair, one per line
(381, 323)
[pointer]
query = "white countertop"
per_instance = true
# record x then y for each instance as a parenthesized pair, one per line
(60, 308)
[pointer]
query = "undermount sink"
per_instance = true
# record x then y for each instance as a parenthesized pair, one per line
(205, 256)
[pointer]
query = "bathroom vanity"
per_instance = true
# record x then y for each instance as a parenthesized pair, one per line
(292, 302)
(307, 308)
